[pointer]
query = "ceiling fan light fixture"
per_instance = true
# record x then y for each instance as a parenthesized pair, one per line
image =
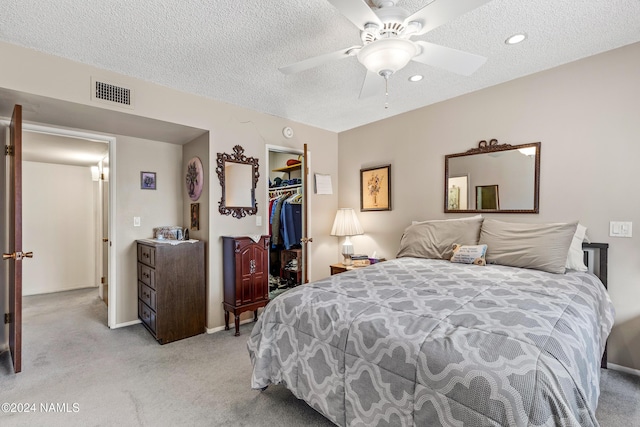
(387, 55)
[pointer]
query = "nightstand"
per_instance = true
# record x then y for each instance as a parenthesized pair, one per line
(338, 268)
(341, 268)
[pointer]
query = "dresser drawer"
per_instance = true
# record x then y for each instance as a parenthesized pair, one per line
(147, 255)
(147, 275)
(147, 315)
(147, 295)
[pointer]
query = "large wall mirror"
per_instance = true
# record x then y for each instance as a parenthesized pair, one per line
(494, 177)
(238, 175)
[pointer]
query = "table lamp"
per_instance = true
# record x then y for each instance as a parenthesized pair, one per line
(346, 224)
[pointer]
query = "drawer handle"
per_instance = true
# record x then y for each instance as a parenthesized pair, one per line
(145, 275)
(146, 255)
(146, 295)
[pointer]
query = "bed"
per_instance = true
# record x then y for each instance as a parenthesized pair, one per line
(423, 341)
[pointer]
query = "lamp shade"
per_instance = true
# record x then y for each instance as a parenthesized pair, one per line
(346, 223)
(387, 55)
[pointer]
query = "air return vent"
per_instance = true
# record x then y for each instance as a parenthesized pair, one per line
(110, 93)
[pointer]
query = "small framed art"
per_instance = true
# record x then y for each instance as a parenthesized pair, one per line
(375, 189)
(148, 180)
(195, 216)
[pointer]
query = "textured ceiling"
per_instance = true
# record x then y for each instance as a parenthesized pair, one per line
(230, 50)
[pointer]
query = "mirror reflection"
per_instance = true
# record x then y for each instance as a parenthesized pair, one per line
(493, 177)
(238, 175)
(239, 188)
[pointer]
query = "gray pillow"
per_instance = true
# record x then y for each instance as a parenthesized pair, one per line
(538, 246)
(435, 239)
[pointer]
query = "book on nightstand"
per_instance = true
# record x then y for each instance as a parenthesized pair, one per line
(360, 260)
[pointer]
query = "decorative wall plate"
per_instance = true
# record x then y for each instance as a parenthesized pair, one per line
(194, 178)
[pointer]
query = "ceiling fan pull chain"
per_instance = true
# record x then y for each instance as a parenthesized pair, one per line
(386, 92)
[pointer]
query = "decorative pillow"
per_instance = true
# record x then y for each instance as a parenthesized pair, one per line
(435, 239)
(575, 258)
(466, 254)
(539, 246)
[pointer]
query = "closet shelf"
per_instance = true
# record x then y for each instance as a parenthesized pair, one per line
(286, 187)
(288, 168)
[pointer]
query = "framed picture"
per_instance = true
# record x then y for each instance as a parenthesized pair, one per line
(148, 180)
(375, 189)
(195, 178)
(195, 216)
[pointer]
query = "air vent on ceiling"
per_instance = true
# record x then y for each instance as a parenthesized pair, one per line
(111, 93)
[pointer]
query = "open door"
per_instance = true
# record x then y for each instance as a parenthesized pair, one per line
(14, 254)
(104, 190)
(305, 217)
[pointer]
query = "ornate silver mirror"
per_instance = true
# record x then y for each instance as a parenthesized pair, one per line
(494, 177)
(238, 175)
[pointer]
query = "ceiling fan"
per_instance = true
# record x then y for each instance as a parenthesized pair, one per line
(386, 31)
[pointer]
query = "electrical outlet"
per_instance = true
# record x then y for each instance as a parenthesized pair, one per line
(136, 221)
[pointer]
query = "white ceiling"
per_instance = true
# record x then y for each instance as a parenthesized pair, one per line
(230, 50)
(64, 150)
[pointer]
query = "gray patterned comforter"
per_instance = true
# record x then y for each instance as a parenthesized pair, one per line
(425, 342)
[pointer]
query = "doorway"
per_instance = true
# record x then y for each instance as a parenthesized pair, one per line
(286, 218)
(66, 210)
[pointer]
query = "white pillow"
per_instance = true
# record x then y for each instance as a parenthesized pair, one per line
(575, 257)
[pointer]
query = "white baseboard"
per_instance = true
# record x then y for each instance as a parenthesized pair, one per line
(624, 369)
(122, 325)
(231, 325)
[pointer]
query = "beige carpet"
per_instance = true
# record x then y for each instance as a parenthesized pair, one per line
(88, 375)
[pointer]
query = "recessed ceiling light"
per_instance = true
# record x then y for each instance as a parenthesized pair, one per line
(415, 78)
(516, 38)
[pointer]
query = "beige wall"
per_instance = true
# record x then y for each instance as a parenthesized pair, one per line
(199, 147)
(58, 223)
(33, 72)
(586, 116)
(156, 208)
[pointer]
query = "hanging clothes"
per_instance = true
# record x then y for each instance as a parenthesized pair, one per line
(285, 218)
(292, 221)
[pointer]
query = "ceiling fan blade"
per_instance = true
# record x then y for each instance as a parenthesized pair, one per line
(440, 12)
(357, 11)
(450, 59)
(318, 60)
(373, 85)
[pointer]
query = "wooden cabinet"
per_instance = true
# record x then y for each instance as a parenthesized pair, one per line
(171, 289)
(245, 275)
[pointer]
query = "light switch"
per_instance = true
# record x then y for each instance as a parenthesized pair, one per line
(136, 221)
(621, 229)
(258, 220)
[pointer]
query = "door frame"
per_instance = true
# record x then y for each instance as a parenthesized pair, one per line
(111, 141)
(306, 218)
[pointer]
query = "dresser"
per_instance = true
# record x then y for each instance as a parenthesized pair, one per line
(171, 288)
(245, 276)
